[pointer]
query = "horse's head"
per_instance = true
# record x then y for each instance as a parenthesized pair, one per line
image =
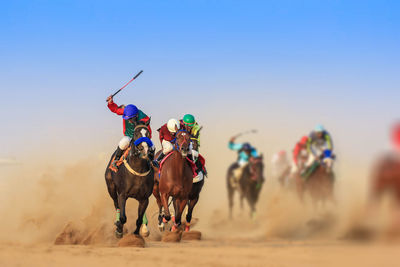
(256, 169)
(141, 143)
(182, 143)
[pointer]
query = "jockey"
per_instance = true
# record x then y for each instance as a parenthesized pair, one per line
(189, 123)
(396, 137)
(132, 117)
(167, 134)
(300, 155)
(245, 151)
(319, 141)
(280, 166)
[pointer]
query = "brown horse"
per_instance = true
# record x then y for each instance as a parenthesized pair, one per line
(134, 179)
(387, 177)
(250, 184)
(319, 184)
(175, 181)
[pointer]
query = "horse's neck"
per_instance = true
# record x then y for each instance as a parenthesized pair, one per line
(137, 162)
(180, 159)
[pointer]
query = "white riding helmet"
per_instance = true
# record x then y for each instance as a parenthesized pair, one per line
(172, 125)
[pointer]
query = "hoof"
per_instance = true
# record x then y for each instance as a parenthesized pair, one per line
(161, 227)
(172, 237)
(132, 241)
(144, 231)
(191, 235)
(118, 234)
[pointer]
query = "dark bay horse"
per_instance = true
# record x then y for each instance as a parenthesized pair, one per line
(134, 179)
(319, 184)
(175, 181)
(194, 194)
(250, 184)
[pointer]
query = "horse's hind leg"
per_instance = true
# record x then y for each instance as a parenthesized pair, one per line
(122, 218)
(141, 210)
(191, 205)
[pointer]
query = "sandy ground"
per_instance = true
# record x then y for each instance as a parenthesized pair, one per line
(73, 201)
(208, 252)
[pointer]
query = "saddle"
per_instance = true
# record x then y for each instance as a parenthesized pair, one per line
(196, 176)
(120, 161)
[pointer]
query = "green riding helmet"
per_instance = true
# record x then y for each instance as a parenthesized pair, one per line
(189, 120)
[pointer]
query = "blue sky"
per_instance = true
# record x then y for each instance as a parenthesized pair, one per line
(330, 61)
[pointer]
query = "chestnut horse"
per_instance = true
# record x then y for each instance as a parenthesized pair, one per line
(176, 179)
(319, 184)
(134, 179)
(387, 177)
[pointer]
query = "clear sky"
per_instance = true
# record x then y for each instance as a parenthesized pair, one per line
(286, 64)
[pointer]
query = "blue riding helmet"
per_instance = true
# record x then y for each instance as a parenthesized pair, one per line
(130, 111)
(319, 128)
(246, 147)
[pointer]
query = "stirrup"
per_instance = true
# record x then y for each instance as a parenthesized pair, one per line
(114, 166)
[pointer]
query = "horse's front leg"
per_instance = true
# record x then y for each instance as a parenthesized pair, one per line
(164, 201)
(191, 205)
(156, 194)
(121, 219)
(141, 210)
(181, 204)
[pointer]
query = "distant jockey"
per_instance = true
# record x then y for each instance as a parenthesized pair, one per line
(396, 137)
(189, 124)
(167, 134)
(245, 152)
(280, 167)
(319, 146)
(132, 117)
(300, 155)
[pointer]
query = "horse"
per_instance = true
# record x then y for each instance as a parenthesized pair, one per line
(249, 186)
(386, 177)
(175, 180)
(134, 179)
(194, 194)
(320, 182)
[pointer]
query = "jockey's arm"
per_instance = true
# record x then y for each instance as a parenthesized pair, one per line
(328, 140)
(235, 147)
(114, 108)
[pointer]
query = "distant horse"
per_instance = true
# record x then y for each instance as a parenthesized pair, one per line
(387, 177)
(134, 179)
(176, 179)
(319, 184)
(250, 184)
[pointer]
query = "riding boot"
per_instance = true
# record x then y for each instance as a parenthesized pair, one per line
(157, 161)
(200, 168)
(118, 155)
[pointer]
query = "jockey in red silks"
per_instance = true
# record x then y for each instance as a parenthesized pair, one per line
(300, 155)
(396, 137)
(132, 117)
(167, 134)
